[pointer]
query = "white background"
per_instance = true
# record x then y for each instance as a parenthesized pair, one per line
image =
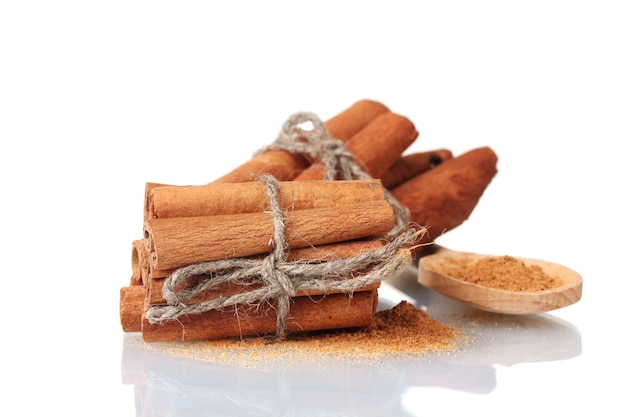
(97, 98)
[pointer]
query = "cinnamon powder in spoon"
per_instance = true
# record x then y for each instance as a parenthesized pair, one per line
(502, 272)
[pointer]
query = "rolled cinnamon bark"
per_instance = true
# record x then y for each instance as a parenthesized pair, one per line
(444, 197)
(329, 251)
(350, 121)
(154, 294)
(375, 148)
(411, 165)
(148, 189)
(139, 263)
(132, 302)
(251, 197)
(320, 253)
(307, 313)
(182, 241)
(285, 166)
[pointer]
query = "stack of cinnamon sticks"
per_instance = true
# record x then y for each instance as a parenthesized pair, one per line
(228, 219)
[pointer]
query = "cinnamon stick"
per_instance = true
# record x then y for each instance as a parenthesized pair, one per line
(307, 313)
(444, 197)
(335, 250)
(285, 166)
(148, 189)
(132, 309)
(408, 166)
(250, 197)
(154, 295)
(132, 301)
(181, 241)
(375, 148)
(351, 120)
(310, 254)
(329, 251)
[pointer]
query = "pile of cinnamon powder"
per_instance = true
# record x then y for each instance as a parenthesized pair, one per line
(503, 272)
(402, 330)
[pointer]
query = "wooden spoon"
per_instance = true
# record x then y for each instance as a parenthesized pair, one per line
(499, 300)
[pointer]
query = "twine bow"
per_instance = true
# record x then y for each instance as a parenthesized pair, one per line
(337, 159)
(319, 145)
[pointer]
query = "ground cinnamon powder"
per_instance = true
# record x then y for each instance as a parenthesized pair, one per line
(503, 272)
(399, 331)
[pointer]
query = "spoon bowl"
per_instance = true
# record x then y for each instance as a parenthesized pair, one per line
(499, 300)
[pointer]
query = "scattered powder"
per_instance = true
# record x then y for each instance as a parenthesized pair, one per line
(400, 330)
(403, 330)
(503, 272)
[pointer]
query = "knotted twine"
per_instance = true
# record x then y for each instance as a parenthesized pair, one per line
(280, 279)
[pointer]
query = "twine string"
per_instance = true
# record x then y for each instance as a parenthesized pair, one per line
(273, 277)
(338, 161)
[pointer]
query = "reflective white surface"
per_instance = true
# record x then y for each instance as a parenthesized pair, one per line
(170, 384)
(98, 98)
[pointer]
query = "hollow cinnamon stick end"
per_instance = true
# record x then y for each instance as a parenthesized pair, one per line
(138, 263)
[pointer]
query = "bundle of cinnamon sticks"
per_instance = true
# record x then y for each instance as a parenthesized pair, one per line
(227, 219)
